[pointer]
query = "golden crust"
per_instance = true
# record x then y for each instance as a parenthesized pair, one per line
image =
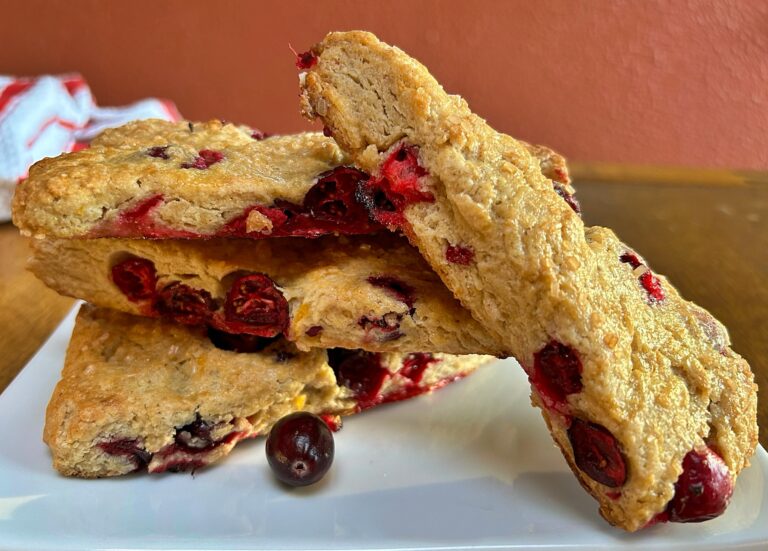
(136, 380)
(325, 282)
(658, 376)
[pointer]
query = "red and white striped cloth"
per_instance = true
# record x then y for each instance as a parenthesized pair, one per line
(44, 116)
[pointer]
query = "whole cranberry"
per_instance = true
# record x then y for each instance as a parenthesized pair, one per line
(300, 449)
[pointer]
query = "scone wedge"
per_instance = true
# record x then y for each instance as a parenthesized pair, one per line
(138, 394)
(652, 409)
(350, 292)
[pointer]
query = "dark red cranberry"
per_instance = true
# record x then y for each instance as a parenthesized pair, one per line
(254, 301)
(387, 325)
(333, 421)
(158, 152)
(556, 374)
(136, 278)
(596, 452)
(652, 285)
(333, 196)
(184, 304)
(195, 436)
(414, 365)
(397, 288)
(327, 132)
(457, 254)
(631, 259)
(306, 60)
(396, 186)
(300, 449)
(205, 158)
(314, 331)
(239, 343)
(359, 371)
(130, 448)
(258, 135)
(570, 199)
(703, 490)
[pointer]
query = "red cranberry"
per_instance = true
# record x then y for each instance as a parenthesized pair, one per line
(570, 199)
(327, 132)
(396, 186)
(205, 158)
(652, 285)
(258, 135)
(596, 452)
(130, 448)
(314, 331)
(136, 278)
(703, 490)
(457, 254)
(333, 196)
(300, 449)
(306, 60)
(414, 365)
(242, 343)
(159, 152)
(184, 304)
(397, 288)
(556, 374)
(334, 422)
(359, 371)
(631, 259)
(254, 301)
(387, 325)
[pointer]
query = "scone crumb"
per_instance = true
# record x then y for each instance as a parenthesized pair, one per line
(257, 222)
(610, 340)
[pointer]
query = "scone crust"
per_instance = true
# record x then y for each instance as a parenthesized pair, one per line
(659, 376)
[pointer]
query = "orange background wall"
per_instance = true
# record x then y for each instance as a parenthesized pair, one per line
(680, 82)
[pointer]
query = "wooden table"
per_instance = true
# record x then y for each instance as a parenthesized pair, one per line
(706, 230)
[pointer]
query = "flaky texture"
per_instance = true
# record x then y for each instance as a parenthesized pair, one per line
(327, 283)
(657, 374)
(160, 179)
(141, 394)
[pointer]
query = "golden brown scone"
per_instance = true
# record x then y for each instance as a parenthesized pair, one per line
(331, 292)
(158, 179)
(141, 394)
(652, 409)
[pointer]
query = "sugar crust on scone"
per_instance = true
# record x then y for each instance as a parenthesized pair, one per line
(141, 394)
(372, 293)
(657, 371)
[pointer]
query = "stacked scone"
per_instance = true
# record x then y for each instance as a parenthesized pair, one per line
(653, 411)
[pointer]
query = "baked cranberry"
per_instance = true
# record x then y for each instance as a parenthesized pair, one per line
(457, 254)
(414, 365)
(396, 186)
(327, 132)
(359, 371)
(300, 449)
(332, 198)
(703, 490)
(306, 60)
(397, 288)
(596, 452)
(205, 158)
(556, 374)
(334, 422)
(195, 436)
(257, 306)
(184, 304)
(631, 259)
(136, 278)
(314, 331)
(652, 286)
(130, 448)
(158, 152)
(569, 198)
(387, 326)
(258, 135)
(242, 343)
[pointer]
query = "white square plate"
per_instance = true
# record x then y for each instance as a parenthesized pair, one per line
(470, 467)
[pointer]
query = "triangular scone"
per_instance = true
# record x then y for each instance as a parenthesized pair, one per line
(352, 292)
(158, 179)
(141, 394)
(652, 409)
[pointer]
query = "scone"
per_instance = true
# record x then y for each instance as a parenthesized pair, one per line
(140, 394)
(652, 409)
(157, 179)
(376, 294)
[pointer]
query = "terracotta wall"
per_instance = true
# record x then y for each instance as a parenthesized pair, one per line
(679, 82)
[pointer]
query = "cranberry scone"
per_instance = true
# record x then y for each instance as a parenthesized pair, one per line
(654, 412)
(158, 179)
(375, 294)
(140, 394)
